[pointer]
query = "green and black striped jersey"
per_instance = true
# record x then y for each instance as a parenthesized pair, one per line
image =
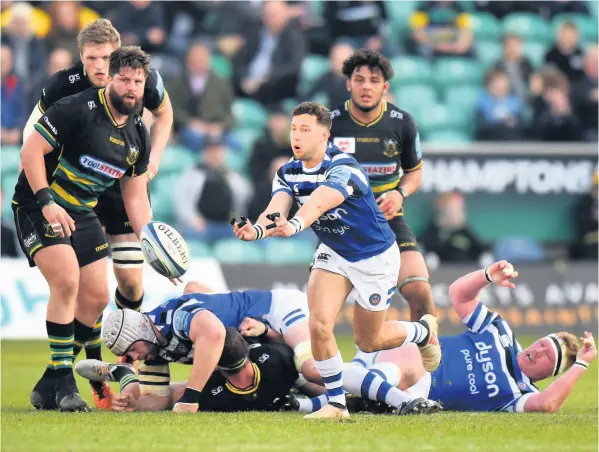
(91, 151)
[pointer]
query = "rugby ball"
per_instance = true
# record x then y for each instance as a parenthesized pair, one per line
(164, 249)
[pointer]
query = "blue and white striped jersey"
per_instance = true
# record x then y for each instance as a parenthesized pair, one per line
(173, 318)
(356, 229)
(479, 370)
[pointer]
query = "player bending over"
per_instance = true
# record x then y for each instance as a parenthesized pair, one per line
(358, 254)
(81, 146)
(485, 368)
(96, 42)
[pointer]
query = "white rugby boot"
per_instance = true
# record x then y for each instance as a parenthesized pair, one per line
(431, 351)
(329, 411)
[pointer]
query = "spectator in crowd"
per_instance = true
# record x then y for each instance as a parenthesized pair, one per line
(141, 22)
(267, 67)
(361, 24)
(333, 84)
(441, 28)
(8, 236)
(498, 113)
(553, 118)
(448, 236)
(68, 18)
(202, 101)
(584, 96)
(14, 101)
(209, 195)
(29, 52)
(517, 66)
(586, 225)
(273, 144)
(566, 55)
(58, 60)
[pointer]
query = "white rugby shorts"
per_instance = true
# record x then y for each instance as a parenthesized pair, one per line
(374, 279)
(287, 307)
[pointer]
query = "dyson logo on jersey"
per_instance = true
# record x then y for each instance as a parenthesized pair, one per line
(487, 366)
(332, 215)
(101, 167)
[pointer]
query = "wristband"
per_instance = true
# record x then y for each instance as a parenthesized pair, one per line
(297, 223)
(582, 363)
(44, 197)
(263, 335)
(259, 229)
(190, 396)
(487, 276)
(402, 192)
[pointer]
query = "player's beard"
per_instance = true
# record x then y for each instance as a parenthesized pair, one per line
(364, 108)
(118, 102)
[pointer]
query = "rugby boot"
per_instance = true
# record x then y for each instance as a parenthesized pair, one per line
(356, 404)
(67, 395)
(431, 350)
(95, 370)
(43, 396)
(103, 395)
(330, 411)
(419, 406)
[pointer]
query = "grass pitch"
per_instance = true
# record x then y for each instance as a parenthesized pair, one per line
(23, 429)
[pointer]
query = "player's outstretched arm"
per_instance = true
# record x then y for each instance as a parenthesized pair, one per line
(552, 398)
(464, 292)
(208, 336)
(160, 132)
(280, 203)
(137, 202)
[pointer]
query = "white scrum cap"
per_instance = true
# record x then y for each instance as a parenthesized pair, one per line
(124, 327)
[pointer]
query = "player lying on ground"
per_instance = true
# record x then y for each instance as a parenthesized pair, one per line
(96, 42)
(81, 146)
(358, 254)
(170, 334)
(485, 369)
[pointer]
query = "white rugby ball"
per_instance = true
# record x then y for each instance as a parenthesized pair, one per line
(164, 249)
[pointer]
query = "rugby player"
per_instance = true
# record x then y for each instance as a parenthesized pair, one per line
(357, 254)
(385, 141)
(81, 146)
(96, 42)
(485, 368)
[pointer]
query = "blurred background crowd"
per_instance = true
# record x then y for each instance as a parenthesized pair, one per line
(468, 71)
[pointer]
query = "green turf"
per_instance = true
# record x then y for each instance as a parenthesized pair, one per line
(573, 429)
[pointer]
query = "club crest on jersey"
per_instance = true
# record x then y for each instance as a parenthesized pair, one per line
(391, 148)
(101, 167)
(346, 144)
(374, 299)
(133, 155)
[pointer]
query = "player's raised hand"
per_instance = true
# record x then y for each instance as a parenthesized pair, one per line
(501, 273)
(244, 229)
(58, 218)
(251, 327)
(124, 402)
(390, 203)
(588, 352)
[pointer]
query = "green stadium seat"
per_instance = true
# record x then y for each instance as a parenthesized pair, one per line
(448, 137)
(593, 7)
(176, 159)
(437, 117)
(485, 26)
(410, 69)
(458, 71)
(399, 14)
(234, 251)
(462, 96)
(535, 51)
(10, 157)
(416, 99)
(249, 114)
(162, 193)
(317, 7)
(526, 25)
(221, 66)
(9, 180)
(247, 138)
(313, 67)
(587, 26)
(198, 249)
(236, 161)
(289, 251)
(488, 52)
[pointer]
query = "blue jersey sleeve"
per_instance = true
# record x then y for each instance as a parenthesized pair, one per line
(280, 184)
(480, 319)
(182, 317)
(346, 176)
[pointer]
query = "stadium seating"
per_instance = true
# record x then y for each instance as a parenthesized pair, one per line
(175, 160)
(416, 98)
(249, 113)
(536, 52)
(198, 249)
(587, 26)
(485, 27)
(410, 69)
(448, 137)
(488, 52)
(234, 251)
(527, 25)
(313, 67)
(289, 251)
(457, 71)
(11, 157)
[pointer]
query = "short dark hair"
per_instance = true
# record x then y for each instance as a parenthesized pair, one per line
(235, 352)
(129, 56)
(322, 113)
(369, 58)
(492, 74)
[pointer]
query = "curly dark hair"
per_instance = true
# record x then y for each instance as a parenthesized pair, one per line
(370, 58)
(322, 113)
(129, 56)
